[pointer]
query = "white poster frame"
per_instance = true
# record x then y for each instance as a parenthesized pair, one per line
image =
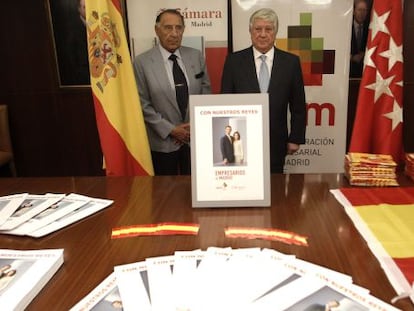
(242, 184)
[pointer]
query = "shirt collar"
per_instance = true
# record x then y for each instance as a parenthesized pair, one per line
(356, 24)
(165, 54)
(270, 54)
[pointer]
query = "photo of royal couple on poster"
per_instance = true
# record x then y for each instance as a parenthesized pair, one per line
(10, 271)
(229, 147)
(7, 274)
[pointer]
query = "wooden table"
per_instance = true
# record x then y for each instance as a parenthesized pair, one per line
(300, 203)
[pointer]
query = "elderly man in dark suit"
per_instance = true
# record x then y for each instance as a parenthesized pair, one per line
(166, 75)
(359, 38)
(243, 71)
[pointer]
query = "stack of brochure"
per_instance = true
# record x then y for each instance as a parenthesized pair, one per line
(366, 169)
(228, 279)
(24, 273)
(409, 165)
(38, 215)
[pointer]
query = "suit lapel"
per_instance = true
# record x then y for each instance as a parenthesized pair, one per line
(189, 68)
(276, 68)
(161, 76)
(249, 63)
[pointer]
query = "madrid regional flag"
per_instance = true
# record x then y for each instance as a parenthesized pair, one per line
(118, 111)
(378, 119)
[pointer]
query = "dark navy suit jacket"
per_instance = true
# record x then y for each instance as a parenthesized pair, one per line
(286, 92)
(226, 147)
(355, 69)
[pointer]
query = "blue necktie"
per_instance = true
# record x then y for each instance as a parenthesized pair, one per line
(263, 75)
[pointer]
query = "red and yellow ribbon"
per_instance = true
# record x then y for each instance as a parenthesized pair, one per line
(166, 228)
(266, 234)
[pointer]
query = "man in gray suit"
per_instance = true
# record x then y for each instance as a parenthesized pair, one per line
(165, 111)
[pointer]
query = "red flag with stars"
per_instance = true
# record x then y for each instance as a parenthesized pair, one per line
(378, 119)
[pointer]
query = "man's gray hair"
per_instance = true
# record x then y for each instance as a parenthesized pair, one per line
(267, 15)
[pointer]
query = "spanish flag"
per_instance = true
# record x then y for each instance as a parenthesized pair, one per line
(118, 111)
(385, 218)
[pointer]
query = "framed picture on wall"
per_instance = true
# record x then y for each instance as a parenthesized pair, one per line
(230, 150)
(69, 32)
(67, 18)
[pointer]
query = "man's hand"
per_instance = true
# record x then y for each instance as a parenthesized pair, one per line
(357, 58)
(181, 133)
(292, 148)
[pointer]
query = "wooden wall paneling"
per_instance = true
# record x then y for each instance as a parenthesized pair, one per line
(53, 129)
(29, 87)
(36, 134)
(26, 50)
(80, 140)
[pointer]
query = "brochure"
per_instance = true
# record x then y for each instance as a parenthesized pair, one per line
(132, 282)
(92, 206)
(31, 206)
(249, 279)
(55, 211)
(24, 273)
(9, 204)
(104, 297)
(184, 277)
(159, 271)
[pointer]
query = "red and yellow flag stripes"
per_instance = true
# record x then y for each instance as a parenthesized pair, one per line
(118, 111)
(266, 234)
(156, 229)
(388, 216)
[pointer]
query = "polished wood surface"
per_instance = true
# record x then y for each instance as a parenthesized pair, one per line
(300, 203)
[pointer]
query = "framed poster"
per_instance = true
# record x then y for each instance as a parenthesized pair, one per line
(69, 32)
(68, 25)
(230, 150)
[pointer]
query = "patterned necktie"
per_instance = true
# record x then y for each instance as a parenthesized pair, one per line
(263, 75)
(181, 88)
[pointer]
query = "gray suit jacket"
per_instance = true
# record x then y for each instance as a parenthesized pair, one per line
(159, 105)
